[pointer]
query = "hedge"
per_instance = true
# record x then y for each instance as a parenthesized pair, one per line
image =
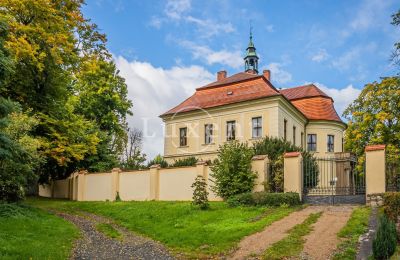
(264, 199)
(384, 244)
(391, 205)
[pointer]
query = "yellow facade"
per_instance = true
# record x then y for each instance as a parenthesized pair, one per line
(274, 112)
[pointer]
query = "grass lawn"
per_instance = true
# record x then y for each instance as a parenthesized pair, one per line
(109, 231)
(29, 233)
(292, 245)
(177, 224)
(355, 227)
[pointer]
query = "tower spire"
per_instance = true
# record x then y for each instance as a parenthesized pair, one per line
(251, 58)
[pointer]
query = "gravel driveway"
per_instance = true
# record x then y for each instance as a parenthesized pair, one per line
(95, 245)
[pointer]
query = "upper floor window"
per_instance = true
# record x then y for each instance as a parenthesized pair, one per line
(312, 142)
(183, 136)
(208, 133)
(331, 143)
(230, 130)
(294, 135)
(256, 127)
(285, 129)
(302, 140)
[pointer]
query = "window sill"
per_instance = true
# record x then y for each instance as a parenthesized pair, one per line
(208, 144)
(183, 146)
(255, 138)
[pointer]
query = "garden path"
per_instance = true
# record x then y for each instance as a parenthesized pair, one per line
(257, 243)
(95, 245)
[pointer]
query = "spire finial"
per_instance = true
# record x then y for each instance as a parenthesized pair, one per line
(251, 30)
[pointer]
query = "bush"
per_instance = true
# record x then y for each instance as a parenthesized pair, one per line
(158, 160)
(264, 199)
(384, 244)
(200, 194)
(189, 161)
(231, 170)
(13, 210)
(391, 205)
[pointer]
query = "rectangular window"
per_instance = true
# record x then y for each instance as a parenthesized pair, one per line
(183, 136)
(302, 140)
(294, 135)
(208, 133)
(230, 130)
(257, 127)
(285, 129)
(312, 142)
(331, 143)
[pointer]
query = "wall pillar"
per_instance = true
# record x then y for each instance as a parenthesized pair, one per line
(292, 173)
(259, 166)
(115, 182)
(81, 186)
(155, 182)
(375, 170)
(202, 169)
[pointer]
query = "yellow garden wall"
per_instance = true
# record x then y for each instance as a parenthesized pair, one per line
(134, 185)
(175, 183)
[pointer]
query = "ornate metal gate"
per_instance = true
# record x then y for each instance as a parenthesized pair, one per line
(333, 180)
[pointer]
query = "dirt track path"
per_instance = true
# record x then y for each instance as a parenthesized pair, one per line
(322, 241)
(256, 244)
(95, 245)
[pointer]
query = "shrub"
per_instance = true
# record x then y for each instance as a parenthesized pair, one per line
(391, 205)
(231, 170)
(158, 160)
(384, 244)
(13, 210)
(275, 148)
(265, 199)
(189, 161)
(200, 194)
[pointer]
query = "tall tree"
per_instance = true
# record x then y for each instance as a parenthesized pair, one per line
(396, 52)
(133, 158)
(374, 117)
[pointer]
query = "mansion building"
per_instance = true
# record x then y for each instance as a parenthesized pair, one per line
(246, 107)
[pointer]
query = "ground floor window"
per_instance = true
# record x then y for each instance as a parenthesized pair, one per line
(312, 142)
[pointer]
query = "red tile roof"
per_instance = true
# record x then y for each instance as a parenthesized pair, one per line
(308, 99)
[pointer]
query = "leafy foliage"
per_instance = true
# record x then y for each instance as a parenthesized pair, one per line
(264, 199)
(391, 205)
(275, 148)
(200, 193)
(373, 118)
(396, 52)
(158, 160)
(133, 158)
(231, 171)
(384, 244)
(188, 161)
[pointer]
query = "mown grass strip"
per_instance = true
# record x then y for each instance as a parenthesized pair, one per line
(350, 233)
(292, 245)
(109, 230)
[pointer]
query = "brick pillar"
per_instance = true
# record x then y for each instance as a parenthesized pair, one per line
(375, 169)
(259, 166)
(292, 173)
(115, 182)
(155, 181)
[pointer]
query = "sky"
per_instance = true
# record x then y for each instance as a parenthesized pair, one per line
(166, 49)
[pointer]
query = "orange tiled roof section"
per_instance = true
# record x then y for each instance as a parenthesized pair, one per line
(237, 88)
(312, 102)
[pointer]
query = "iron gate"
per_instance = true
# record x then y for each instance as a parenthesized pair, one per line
(333, 180)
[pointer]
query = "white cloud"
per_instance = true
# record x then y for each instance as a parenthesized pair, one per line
(208, 28)
(232, 59)
(174, 9)
(153, 91)
(369, 14)
(156, 22)
(351, 58)
(342, 97)
(278, 74)
(321, 55)
(270, 28)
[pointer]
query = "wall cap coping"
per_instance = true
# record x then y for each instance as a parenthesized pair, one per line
(116, 170)
(259, 157)
(201, 163)
(292, 154)
(375, 147)
(155, 166)
(83, 172)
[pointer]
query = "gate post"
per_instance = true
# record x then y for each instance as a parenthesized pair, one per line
(154, 181)
(375, 166)
(292, 173)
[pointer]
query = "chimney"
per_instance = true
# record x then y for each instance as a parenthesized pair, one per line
(267, 74)
(221, 75)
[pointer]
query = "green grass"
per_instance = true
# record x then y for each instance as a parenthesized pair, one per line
(396, 254)
(292, 245)
(109, 230)
(178, 225)
(29, 233)
(355, 227)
